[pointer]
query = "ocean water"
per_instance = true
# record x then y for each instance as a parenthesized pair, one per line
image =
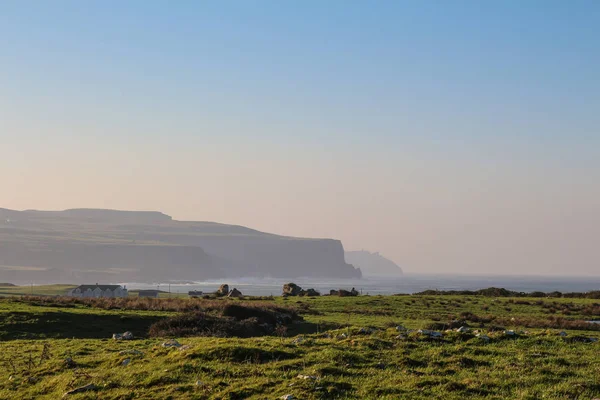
(409, 283)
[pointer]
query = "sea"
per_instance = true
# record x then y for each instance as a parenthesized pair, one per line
(408, 283)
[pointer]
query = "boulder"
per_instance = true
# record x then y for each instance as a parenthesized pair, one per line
(223, 290)
(235, 293)
(291, 289)
(334, 292)
(312, 293)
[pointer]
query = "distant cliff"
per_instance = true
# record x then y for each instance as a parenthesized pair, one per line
(372, 264)
(107, 245)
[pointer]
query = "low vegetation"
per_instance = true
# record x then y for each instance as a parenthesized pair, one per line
(327, 347)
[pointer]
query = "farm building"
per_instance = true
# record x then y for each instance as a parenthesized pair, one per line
(98, 291)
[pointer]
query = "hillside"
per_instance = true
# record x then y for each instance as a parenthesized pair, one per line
(372, 264)
(108, 245)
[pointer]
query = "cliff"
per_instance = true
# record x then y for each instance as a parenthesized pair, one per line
(373, 264)
(108, 245)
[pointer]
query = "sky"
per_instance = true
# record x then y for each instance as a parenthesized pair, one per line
(452, 137)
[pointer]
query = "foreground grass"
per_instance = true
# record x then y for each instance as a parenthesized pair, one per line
(340, 360)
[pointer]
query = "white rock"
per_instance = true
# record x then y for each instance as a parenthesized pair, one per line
(127, 335)
(306, 377)
(287, 397)
(462, 329)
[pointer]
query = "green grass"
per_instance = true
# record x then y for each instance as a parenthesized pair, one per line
(346, 364)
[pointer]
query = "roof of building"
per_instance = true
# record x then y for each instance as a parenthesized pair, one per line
(83, 288)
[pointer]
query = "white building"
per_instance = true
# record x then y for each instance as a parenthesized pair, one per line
(98, 291)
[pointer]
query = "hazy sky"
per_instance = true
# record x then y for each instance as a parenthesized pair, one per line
(452, 136)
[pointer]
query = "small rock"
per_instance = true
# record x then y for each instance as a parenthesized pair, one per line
(234, 293)
(123, 336)
(400, 328)
(401, 337)
(32, 379)
(365, 331)
(510, 333)
(483, 337)
(198, 383)
(462, 329)
(171, 343)
(185, 347)
(306, 377)
(380, 365)
(126, 362)
(563, 334)
(287, 397)
(86, 388)
(342, 336)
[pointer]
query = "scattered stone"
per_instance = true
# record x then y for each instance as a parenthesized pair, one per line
(380, 365)
(287, 397)
(400, 328)
(11, 378)
(312, 377)
(563, 334)
(87, 388)
(123, 336)
(223, 290)
(185, 347)
(431, 334)
(462, 329)
(483, 337)
(365, 331)
(510, 333)
(198, 383)
(235, 293)
(126, 362)
(291, 289)
(342, 336)
(171, 343)
(131, 352)
(401, 337)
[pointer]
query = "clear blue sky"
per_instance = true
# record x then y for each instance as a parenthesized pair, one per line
(467, 127)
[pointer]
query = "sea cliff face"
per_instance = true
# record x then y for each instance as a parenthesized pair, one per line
(113, 246)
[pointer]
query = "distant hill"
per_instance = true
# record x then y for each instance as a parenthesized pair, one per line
(107, 245)
(372, 264)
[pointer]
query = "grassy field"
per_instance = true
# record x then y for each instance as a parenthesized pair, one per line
(345, 347)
